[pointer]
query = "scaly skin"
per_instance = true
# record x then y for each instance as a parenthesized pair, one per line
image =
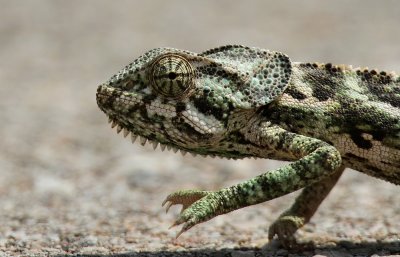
(238, 102)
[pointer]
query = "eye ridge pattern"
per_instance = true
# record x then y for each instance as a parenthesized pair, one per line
(172, 76)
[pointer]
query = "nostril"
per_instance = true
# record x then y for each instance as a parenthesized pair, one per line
(128, 85)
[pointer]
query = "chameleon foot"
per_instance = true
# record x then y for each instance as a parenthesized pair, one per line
(285, 227)
(183, 197)
(197, 206)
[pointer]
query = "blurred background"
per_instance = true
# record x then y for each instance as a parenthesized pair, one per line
(70, 184)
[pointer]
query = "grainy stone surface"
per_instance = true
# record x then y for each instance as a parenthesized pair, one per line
(70, 185)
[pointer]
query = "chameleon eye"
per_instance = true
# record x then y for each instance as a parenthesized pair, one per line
(172, 76)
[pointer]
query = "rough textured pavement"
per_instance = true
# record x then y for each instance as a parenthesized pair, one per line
(70, 185)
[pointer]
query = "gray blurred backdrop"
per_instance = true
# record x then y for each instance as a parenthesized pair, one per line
(70, 184)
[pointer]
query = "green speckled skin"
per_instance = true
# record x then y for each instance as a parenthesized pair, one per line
(237, 102)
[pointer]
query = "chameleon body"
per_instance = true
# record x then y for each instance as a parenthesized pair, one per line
(237, 102)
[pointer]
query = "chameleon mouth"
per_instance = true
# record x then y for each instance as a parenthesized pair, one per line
(143, 140)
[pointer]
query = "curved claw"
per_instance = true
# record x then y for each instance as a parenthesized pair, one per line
(185, 228)
(173, 225)
(179, 233)
(165, 201)
(169, 204)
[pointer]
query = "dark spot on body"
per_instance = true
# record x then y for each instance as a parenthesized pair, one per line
(148, 98)
(285, 138)
(328, 66)
(394, 164)
(359, 140)
(355, 157)
(204, 106)
(295, 93)
(374, 169)
(378, 135)
(180, 107)
(323, 82)
(133, 109)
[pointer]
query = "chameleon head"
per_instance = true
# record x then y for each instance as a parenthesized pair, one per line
(189, 101)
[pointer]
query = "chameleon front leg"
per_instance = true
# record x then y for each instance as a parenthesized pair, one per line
(316, 160)
(304, 207)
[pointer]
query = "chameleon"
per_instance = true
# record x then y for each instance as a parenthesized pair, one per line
(237, 102)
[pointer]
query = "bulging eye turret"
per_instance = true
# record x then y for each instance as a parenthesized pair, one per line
(172, 76)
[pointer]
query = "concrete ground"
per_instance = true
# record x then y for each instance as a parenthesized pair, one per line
(70, 185)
